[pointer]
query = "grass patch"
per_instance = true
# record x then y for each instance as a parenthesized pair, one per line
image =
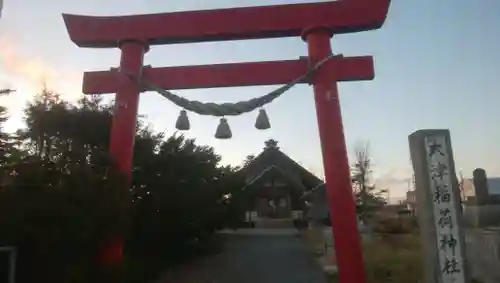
(393, 258)
(388, 257)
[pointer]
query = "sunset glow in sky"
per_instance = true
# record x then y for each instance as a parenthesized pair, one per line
(437, 65)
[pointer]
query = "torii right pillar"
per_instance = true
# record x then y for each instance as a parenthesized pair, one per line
(335, 160)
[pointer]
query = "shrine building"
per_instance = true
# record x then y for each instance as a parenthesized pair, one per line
(275, 185)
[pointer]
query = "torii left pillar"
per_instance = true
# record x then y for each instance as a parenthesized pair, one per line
(123, 127)
(126, 104)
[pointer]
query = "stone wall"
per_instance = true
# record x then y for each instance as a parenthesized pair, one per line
(483, 254)
(481, 217)
(477, 216)
(483, 208)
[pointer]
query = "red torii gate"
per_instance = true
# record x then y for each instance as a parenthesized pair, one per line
(316, 23)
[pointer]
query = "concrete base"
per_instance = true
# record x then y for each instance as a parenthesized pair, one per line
(330, 269)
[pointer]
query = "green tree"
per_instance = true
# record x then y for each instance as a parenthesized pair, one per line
(180, 199)
(248, 160)
(57, 130)
(61, 203)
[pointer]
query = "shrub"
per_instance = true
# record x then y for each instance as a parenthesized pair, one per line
(395, 226)
(394, 258)
(59, 228)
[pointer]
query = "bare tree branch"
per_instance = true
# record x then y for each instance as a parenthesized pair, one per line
(6, 91)
(367, 195)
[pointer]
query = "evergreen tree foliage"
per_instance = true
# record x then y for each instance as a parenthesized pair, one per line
(62, 199)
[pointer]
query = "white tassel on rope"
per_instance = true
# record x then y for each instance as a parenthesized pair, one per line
(223, 131)
(262, 122)
(182, 123)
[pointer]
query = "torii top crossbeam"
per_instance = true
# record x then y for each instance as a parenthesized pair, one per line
(228, 24)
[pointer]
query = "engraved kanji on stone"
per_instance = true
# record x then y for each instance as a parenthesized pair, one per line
(438, 171)
(445, 219)
(435, 148)
(448, 242)
(441, 193)
(451, 266)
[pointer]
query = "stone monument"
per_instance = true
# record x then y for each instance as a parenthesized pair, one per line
(439, 206)
(480, 186)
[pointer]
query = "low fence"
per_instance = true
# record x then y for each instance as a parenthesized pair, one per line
(484, 215)
(483, 254)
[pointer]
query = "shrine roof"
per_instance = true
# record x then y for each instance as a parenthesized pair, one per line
(318, 191)
(273, 157)
(272, 171)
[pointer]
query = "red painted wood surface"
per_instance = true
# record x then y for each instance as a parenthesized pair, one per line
(228, 75)
(341, 16)
(112, 253)
(337, 170)
(126, 104)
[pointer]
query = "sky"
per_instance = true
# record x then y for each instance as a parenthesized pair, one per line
(437, 66)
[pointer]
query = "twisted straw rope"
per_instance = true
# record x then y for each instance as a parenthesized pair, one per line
(229, 109)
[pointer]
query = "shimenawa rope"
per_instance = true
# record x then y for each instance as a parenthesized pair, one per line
(229, 109)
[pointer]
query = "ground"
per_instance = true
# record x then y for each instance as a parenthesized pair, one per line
(282, 256)
(265, 256)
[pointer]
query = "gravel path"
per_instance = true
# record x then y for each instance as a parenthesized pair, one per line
(254, 256)
(267, 258)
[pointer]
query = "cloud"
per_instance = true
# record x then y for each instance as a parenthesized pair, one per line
(395, 175)
(34, 72)
(396, 180)
(27, 74)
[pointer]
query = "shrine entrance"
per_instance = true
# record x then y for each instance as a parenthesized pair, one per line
(275, 184)
(274, 207)
(317, 23)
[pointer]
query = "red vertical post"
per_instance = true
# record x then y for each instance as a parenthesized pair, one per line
(337, 174)
(124, 127)
(126, 104)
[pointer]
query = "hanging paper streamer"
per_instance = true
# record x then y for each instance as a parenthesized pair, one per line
(223, 131)
(182, 123)
(262, 122)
